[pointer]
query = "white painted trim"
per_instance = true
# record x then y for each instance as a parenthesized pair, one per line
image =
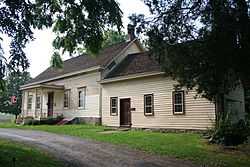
(95, 68)
(43, 86)
(127, 77)
(123, 50)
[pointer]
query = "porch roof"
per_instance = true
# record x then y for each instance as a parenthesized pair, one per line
(48, 86)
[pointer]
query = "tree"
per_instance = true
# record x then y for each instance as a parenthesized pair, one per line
(112, 37)
(203, 44)
(74, 22)
(13, 83)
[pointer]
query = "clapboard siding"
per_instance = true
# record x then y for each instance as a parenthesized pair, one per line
(89, 81)
(199, 112)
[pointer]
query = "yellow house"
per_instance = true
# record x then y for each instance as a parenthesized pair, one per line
(122, 86)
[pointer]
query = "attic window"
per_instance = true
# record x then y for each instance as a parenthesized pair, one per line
(111, 65)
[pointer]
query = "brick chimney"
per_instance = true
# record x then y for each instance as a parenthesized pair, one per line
(131, 32)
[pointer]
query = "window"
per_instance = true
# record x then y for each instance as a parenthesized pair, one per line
(149, 104)
(81, 97)
(38, 102)
(178, 102)
(29, 104)
(66, 99)
(113, 105)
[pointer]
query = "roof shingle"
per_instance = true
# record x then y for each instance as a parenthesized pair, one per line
(82, 62)
(135, 63)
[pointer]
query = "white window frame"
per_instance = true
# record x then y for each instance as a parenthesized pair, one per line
(29, 101)
(83, 89)
(178, 104)
(147, 105)
(38, 106)
(113, 107)
(67, 96)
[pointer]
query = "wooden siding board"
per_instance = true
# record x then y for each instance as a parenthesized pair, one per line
(199, 114)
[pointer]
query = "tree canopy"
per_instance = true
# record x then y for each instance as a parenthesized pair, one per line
(74, 22)
(112, 37)
(203, 44)
(13, 83)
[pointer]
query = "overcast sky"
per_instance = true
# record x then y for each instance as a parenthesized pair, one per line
(40, 50)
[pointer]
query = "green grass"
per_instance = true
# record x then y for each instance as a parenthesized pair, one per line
(181, 145)
(25, 156)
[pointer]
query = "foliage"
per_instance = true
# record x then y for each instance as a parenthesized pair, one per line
(56, 60)
(74, 22)
(13, 83)
(43, 121)
(228, 133)
(204, 45)
(187, 146)
(112, 37)
(24, 155)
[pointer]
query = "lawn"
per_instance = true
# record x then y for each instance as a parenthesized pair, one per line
(24, 156)
(180, 145)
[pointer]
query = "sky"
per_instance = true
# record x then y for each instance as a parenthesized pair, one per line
(39, 51)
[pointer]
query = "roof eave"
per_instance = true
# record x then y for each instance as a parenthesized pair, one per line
(131, 76)
(91, 69)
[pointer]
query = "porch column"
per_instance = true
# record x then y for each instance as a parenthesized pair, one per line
(41, 109)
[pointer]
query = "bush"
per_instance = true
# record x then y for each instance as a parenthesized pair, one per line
(51, 120)
(231, 134)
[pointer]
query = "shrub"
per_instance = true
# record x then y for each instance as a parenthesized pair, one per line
(230, 134)
(51, 120)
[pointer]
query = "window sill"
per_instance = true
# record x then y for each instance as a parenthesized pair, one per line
(179, 113)
(149, 114)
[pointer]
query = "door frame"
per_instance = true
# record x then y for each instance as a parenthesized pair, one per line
(50, 111)
(129, 112)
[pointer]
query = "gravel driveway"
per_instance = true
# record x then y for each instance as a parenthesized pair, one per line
(76, 152)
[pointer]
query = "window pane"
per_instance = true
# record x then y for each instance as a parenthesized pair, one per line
(38, 102)
(178, 108)
(81, 97)
(178, 98)
(148, 99)
(113, 102)
(113, 110)
(148, 110)
(113, 105)
(29, 105)
(66, 99)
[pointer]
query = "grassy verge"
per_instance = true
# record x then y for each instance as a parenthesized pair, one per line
(181, 145)
(24, 156)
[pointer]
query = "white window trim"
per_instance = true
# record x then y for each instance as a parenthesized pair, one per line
(31, 103)
(111, 107)
(39, 103)
(68, 96)
(179, 104)
(84, 100)
(152, 105)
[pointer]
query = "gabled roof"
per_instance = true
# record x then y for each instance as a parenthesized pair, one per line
(83, 62)
(135, 64)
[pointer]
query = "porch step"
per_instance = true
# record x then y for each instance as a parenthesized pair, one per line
(64, 121)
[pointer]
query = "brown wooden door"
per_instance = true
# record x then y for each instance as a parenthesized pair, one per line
(125, 114)
(50, 103)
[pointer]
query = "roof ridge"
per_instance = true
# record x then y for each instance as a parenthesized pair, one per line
(86, 54)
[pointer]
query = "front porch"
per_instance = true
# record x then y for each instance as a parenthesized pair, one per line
(42, 101)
